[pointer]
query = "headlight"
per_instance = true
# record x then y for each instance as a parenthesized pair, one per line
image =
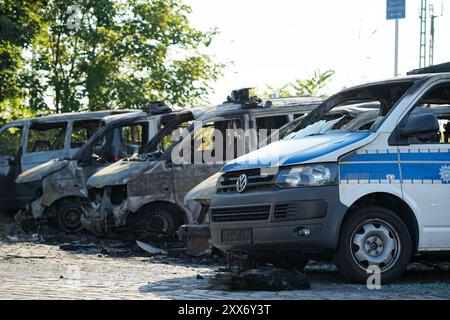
(308, 175)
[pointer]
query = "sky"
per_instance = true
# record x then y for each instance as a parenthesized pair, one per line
(273, 42)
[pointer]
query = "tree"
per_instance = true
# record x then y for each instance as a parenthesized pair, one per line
(312, 86)
(275, 92)
(92, 55)
(19, 23)
(299, 88)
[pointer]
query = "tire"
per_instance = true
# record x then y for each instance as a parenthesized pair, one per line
(154, 222)
(373, 236)
(68, 215)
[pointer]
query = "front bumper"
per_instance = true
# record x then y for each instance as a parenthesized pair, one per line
(312, 224)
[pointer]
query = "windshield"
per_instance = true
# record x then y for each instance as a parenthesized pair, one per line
(346, 110)
(346, 118)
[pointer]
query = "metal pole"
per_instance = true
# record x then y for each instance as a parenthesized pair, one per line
(396, 49)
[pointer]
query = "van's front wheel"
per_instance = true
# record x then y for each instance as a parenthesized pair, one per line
(154, 222)
(373, 238)
(68, 215)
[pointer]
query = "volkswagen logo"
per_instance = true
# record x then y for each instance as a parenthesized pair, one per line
(241, 183)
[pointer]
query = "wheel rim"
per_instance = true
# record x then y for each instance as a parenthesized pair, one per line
(157, 223)
(71, 219)
(375, 243)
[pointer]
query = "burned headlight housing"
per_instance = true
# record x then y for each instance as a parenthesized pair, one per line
(319, 174)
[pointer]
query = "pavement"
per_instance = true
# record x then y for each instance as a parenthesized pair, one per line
(84, 267)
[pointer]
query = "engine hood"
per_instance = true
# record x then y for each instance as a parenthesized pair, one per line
(296, 151)
(205, 190)
(41, 171)
(118, 173)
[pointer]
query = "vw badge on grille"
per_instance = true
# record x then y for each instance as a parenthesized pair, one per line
(241, 183)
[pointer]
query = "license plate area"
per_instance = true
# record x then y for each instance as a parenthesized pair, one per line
(237, 235)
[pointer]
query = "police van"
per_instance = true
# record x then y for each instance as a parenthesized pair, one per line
(369, 198)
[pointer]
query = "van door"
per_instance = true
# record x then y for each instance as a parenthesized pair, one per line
(10, 163)
(425, 168)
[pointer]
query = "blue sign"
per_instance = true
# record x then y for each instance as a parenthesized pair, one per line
(395, 9)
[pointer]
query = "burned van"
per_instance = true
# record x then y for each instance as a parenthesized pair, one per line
(60, 184)
(27, 143)
(145, 193)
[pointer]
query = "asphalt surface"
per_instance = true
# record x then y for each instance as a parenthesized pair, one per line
(84, 267)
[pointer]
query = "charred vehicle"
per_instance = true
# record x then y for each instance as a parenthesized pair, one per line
(145, 193)
(370, 199)
(60, 184)
(25, 144)
(197, 201)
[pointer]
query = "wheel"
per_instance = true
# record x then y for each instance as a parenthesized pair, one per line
(373, 236)
(68, 215)
(154, 221)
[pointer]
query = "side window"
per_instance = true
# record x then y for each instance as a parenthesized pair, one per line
(271, 122)
(133, 135)
(205, 138)
(121, 142)
(437, 102)
(44, 137)
(127, 140)
(82, 131)
(10, 141)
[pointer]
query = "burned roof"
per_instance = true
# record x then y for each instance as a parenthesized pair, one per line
(438, 68)
(73, 116)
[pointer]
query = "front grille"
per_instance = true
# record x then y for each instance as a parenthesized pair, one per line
(285, 211)
(249, 213)
(256, 180)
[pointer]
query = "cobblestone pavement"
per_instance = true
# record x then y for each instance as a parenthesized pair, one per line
(41, 271)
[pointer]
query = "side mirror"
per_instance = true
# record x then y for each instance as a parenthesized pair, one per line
(421, 125)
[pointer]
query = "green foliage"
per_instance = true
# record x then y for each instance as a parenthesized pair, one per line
(300, 88)
(312, 86)
(19, 22)
(92, 55)
(275, 92)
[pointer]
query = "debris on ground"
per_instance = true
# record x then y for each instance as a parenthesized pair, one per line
(260, 279)
(25, 238)
(150, 249)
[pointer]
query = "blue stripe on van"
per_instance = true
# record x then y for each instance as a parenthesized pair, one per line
(369, 171)
(422, 171)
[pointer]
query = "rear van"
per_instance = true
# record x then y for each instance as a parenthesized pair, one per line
(25, 144)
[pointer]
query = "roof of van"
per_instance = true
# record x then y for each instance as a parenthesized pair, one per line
(271, 104)
(403, 79)
(94, 115)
